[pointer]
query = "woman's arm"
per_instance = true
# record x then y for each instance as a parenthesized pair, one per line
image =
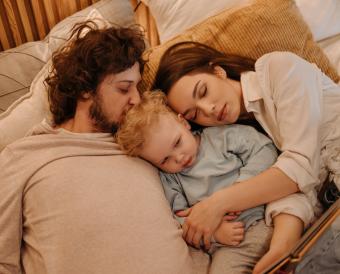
(204, 217)
(268, 186)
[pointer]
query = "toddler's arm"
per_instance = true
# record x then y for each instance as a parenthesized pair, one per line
(174, 193)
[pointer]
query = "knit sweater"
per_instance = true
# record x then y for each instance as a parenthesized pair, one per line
(73, 203)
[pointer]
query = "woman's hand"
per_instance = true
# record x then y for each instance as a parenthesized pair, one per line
(202, 220)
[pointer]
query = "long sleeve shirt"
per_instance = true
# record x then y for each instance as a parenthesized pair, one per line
(299, 108)
(74, 203)
(227, 154)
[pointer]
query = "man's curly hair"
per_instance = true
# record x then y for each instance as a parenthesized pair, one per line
(82, 64)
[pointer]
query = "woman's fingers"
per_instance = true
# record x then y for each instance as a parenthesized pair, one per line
(229, 218)
(184, 230)
(196, 240)
(207, 240)
(190, 235)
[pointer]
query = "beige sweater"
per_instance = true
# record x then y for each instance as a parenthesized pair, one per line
(73, 203)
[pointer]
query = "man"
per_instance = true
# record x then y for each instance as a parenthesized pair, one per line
(70, 201)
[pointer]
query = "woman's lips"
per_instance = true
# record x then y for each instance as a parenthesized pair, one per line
(222, 113)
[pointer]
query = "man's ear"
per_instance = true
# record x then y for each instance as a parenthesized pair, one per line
(183, 121)
(86, 95)
(220, 72)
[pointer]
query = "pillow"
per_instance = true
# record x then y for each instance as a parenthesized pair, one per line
(18, 67)
(323, 17)
(175, 16)
(32, 107)
(251, 31)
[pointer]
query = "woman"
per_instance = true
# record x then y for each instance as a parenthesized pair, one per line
(296, 105)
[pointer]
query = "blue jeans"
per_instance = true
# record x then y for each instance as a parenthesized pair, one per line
(324, 256)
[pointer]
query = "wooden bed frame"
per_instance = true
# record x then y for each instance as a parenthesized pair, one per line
(30, 20)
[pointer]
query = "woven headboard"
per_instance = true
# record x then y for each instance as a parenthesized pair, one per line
(30, 20)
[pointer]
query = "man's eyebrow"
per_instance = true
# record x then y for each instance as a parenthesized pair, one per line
(125, 81)
(194, 94)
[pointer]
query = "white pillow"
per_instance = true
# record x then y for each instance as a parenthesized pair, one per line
(174, 16)
(32, 108)
(322, 16)
(25, 112)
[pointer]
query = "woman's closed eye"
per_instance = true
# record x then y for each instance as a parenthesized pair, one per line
(204, 91)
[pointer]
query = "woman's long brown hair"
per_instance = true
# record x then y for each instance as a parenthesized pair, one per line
(192, 57)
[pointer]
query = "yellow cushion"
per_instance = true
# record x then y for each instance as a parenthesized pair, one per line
(251, 31)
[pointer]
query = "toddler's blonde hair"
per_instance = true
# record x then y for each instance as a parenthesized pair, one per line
(134, 127)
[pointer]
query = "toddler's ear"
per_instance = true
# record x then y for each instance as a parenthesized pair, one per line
(183, 121)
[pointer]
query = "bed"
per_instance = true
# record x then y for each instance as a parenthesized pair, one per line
(32, 30)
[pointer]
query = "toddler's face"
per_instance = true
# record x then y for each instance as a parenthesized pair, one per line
(170, 145)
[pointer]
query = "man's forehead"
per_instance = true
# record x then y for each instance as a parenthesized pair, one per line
(129, 75)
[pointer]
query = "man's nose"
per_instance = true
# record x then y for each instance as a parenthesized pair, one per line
(134, 97)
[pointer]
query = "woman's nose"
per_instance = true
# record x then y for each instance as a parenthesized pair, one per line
(206, 107)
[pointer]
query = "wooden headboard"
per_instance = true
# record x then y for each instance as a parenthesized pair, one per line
(30, 20)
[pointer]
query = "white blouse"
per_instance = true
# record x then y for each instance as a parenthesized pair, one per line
(299, 108)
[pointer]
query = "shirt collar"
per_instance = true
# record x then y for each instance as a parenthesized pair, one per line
(251, 90)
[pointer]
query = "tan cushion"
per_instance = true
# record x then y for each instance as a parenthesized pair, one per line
(251, 31)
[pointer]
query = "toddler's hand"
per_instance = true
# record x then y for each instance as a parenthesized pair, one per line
(230, 233)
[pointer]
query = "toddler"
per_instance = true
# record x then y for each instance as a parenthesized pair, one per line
(195, 165)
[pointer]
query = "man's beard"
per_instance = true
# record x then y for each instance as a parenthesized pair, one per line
(99, 119)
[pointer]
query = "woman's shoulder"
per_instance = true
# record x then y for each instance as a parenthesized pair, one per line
(282, 65)
(280, 59)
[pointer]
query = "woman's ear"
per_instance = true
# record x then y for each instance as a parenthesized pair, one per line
(183, 121)
(220, 72)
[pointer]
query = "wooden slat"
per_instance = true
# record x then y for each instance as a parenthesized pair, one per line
(66, 8)
(7, 39)
(146, 20)
(40, 18)
(51, 13)
(15, 22)
(85, 3)
(30, 20)
(24, 15)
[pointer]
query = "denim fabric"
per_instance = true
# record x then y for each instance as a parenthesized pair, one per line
(324, 257)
